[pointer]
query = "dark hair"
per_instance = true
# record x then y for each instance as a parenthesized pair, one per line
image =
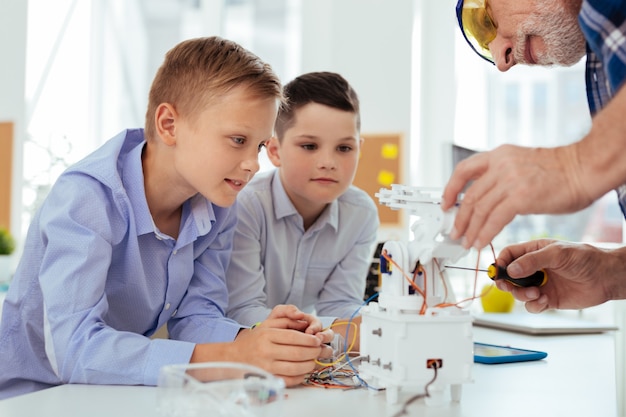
(327, 88)
(197, 70)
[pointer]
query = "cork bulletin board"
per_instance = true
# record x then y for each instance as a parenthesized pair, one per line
(6, 164)
(380, 165)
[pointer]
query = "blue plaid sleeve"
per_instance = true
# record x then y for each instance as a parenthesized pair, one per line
(603, 23)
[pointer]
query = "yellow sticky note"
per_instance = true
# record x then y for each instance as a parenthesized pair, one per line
(389, 151)
(386, 178)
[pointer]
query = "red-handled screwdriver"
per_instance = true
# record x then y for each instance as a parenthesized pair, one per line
(496, 272)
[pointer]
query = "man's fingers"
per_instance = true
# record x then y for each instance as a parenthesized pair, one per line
(474, 208)
(539, 305)
(467, 170)
(494, 221)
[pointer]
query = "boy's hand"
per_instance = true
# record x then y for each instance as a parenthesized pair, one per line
(284, 352)
(286, 344)
(352, 332)
(290, 317)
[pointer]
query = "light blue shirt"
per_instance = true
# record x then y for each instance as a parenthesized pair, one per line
(275, 261)
(97, 279)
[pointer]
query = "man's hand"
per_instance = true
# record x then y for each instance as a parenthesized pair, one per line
(508, 181)
(579, 275)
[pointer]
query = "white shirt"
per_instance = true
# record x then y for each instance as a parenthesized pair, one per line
(275, 261)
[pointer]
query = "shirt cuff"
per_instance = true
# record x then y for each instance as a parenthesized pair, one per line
(166, 352)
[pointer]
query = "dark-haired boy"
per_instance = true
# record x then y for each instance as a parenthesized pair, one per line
(305, 234)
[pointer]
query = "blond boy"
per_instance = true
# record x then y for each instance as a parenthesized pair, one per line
(139, 233)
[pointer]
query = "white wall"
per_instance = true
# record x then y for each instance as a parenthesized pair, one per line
(369, 42)
(434, 92)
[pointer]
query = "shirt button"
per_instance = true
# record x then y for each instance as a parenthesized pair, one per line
(174, 313)
(175, 251)
(167, 306)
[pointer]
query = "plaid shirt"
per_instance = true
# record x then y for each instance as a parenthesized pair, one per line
(603, 23)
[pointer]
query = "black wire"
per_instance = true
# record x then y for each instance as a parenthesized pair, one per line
(418, 396)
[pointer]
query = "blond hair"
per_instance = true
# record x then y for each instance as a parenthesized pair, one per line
(198, 70)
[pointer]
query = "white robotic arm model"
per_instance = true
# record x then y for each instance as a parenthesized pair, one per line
(427, 253)
(416, 333)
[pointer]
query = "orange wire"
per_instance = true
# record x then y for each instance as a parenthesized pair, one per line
(415, 273)
(474, 296)
(421, 269)
(424, 279)
(422, 293)
(476, 276)
(443, 281)
(483, 293)
(413, 284)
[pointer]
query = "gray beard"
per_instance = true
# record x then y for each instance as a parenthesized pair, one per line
(560, 31)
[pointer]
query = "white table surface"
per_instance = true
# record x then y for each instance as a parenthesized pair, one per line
(576, 379)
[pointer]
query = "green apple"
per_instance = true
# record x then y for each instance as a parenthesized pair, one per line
(495, 300)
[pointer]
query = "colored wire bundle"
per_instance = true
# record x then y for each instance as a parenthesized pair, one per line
(348, 360)
(333, 376)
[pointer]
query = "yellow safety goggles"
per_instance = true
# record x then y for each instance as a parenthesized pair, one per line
(477, 26)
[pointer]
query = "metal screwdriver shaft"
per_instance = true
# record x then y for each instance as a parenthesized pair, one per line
(496, 272)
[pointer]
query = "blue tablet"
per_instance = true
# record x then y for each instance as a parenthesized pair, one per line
(492, 354)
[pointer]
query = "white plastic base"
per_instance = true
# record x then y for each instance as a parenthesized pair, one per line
(400, 349)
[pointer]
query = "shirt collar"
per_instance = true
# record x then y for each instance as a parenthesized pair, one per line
(202, 212)
(283, 207)
(132, 178)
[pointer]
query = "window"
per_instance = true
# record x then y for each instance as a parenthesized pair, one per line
(90, 65)
(57, 91)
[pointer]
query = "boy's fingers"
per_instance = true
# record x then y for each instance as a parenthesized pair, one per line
(285, 323)
(290, 337)
(327, 352)
(292, 381)
(325, 336)
(286, 311)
